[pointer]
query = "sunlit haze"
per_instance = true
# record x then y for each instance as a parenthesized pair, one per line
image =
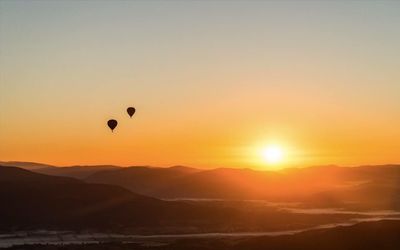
(273, 154)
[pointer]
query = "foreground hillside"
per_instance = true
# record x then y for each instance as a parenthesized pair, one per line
(33, 200)
(372, 235)
(383, 235)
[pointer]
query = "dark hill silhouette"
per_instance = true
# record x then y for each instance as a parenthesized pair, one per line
(36, 200)
(382, 235)
(368, 235)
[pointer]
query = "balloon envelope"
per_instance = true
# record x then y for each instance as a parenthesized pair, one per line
(112, 124)
(131, 111)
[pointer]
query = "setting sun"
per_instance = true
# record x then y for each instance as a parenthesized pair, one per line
(273, 154)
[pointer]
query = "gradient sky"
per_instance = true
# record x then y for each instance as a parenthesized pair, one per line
(212, 81)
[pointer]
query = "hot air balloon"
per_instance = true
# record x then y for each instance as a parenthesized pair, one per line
(131, 111)
(112, 124)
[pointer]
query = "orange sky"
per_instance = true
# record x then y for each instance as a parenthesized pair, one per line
(212, 82)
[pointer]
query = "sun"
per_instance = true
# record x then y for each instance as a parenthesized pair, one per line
(273, 154)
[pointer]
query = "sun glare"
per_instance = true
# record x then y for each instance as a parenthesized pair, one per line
(273, 154)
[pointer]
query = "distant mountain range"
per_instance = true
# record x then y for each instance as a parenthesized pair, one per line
(364, 187)
(79, 172)
(26, 165)
(32, 201)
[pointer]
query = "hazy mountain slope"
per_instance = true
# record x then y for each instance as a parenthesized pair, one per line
(36, 201)
(221, 183)
(190, 183)
(26, 165)
(370, 195)
(323, 186)
(143, 180)
(80, 172)
(320, 186)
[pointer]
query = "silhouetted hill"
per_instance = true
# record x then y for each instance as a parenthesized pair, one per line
(34, 200)
(382, 235)
(368, 235)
